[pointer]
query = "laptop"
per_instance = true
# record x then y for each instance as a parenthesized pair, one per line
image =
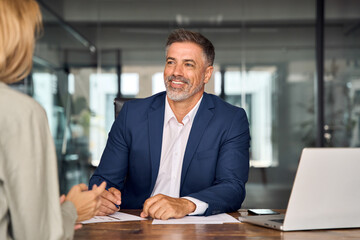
(325, 193)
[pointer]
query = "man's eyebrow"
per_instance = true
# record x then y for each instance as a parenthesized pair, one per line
(189, 60)
(170, 58)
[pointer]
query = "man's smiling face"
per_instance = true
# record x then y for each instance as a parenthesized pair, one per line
(186, 71)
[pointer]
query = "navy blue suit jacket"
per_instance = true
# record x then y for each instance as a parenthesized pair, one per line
(216, 160)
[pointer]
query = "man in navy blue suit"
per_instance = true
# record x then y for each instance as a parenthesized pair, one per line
(183, 152)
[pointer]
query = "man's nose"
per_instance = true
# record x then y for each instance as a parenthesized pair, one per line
(178, 70)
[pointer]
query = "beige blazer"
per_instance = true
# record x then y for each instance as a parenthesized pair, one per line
(29, 188)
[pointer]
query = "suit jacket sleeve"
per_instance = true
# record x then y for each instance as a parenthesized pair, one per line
(228, 189)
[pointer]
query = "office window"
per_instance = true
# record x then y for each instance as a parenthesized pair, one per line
(71, 84)
(252, 90)
(129, 84)
(217, 83)
(44, 88)
(158, 83)
(103, 89)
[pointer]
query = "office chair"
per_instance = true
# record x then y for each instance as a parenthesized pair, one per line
(118, 104)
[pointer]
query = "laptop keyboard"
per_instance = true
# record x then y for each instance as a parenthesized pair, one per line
(277, 220)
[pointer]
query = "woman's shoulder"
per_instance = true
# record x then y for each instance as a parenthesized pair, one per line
(15, 104)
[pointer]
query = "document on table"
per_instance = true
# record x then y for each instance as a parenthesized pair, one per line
(116, 217)
(214, 219)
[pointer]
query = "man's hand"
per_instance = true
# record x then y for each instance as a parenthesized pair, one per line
(163, 207)
(108, 200)
(86, 202)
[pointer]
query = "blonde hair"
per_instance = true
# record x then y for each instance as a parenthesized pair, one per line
(20, 23)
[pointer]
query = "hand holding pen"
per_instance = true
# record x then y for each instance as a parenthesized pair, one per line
(110, 202)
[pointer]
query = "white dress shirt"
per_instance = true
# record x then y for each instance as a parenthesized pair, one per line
(175, 137)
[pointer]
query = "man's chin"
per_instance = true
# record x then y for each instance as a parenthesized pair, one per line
(175, 96)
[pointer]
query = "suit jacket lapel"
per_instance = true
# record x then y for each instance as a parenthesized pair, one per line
(201, 121)
(156, 123)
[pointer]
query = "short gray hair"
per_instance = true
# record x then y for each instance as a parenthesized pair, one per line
(182, 35)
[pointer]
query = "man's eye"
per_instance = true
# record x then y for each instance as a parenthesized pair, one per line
(170, 62)
(189, 65)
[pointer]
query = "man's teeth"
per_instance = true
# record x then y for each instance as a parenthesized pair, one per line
(176, 82)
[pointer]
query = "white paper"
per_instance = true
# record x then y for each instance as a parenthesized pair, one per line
(116, 217)
(214, 219)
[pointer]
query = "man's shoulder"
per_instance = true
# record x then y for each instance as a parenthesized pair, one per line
(219, 104)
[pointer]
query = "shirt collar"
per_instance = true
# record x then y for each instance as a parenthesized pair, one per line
(169, 114)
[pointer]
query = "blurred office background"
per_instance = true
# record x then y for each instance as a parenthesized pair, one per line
(267, 61)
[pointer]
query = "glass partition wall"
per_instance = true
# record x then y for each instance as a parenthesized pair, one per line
(342, 77)
(265, 63)
(75, 122)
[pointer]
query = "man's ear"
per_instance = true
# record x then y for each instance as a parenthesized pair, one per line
(208, 72)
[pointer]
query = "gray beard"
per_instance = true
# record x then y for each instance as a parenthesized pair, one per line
(180, 94)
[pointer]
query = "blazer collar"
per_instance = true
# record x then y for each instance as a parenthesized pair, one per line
(201, 121)
(156, 123)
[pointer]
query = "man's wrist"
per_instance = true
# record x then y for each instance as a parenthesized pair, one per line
(200, 208)
(191, 207)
